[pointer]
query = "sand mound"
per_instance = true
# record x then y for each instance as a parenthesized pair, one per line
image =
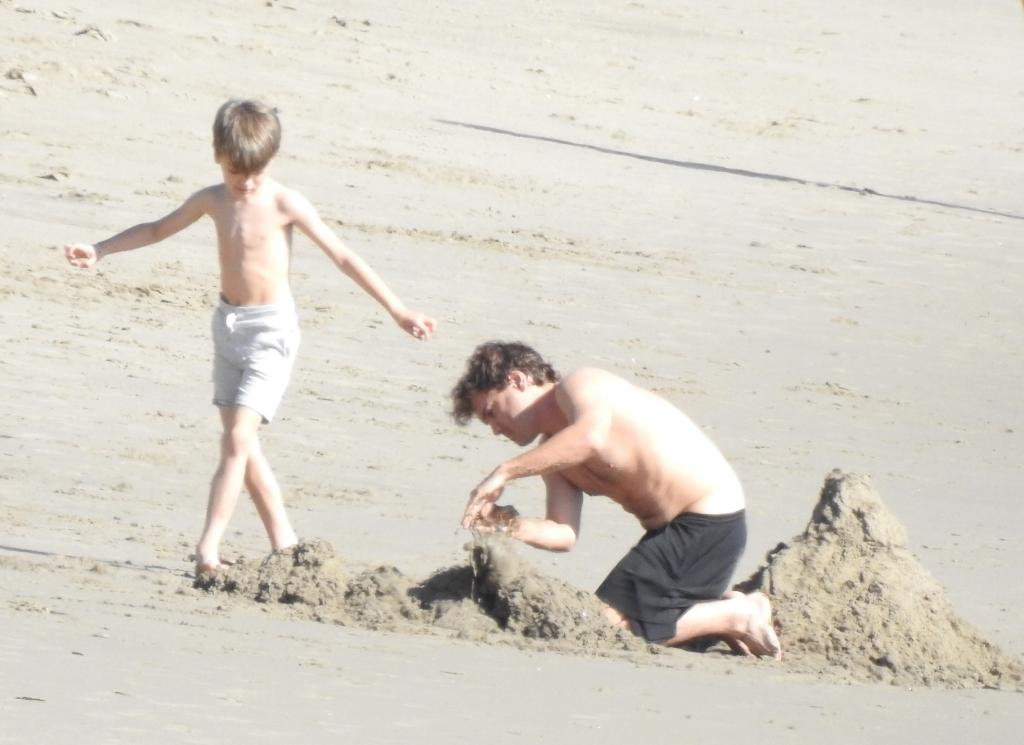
(850, 600)
(849, 595)
(313, 578)
(530, 604)
(495, 593)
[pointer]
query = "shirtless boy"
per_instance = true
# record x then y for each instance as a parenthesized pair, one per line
(602, 435)
(255, 326)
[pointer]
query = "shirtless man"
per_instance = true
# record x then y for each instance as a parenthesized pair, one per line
(601, 435)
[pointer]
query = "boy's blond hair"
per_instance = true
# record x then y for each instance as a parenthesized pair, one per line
(246, 134)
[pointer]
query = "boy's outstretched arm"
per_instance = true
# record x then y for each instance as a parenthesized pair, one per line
(348, 261)
(85, 255)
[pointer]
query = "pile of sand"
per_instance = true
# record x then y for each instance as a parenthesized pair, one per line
(530, 604)
(849, 595)
(851, 602)
(495, 595)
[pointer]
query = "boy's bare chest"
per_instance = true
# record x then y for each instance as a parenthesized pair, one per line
(246, 232)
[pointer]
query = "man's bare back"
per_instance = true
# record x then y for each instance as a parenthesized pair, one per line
(653, 460)
(603, 435)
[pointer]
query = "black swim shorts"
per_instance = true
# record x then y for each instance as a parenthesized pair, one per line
(687, 561)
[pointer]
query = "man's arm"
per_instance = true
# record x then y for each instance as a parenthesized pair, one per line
(560, 528)
(84, 255)
(572, 446)
(569, 447)
(305, 216)
(557, 531)
(590, 419)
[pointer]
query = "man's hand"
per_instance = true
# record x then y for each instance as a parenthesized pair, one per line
(485, 494)
(495, 518)
(81, 255)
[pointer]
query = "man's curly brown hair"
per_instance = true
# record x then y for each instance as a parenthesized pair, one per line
(488, 369)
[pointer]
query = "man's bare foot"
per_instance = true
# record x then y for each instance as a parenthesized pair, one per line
(616, 619)
(761, 638)
(737, 646)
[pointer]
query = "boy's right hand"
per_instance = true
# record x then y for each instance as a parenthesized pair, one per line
(81, 255)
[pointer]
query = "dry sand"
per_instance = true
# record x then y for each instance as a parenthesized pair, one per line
(798, 221)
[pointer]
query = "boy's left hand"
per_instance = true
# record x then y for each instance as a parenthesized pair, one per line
(81, 255)
(417, 325)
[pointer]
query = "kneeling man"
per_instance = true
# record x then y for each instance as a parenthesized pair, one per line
(600, 434)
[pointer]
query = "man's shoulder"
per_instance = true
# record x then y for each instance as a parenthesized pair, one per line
(590, 376)
(588, 387)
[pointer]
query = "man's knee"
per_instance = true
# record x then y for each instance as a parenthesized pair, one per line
(616, 619)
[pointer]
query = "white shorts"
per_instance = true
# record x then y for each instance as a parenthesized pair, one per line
(254, 352)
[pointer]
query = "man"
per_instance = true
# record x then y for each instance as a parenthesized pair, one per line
(604, 436)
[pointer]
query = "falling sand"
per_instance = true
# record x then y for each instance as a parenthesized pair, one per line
(851, 602)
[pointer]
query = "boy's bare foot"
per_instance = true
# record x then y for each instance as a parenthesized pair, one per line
(209, 566)
(283, 551)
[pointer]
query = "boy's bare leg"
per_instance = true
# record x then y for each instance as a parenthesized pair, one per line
(240, 430)
(266, 495)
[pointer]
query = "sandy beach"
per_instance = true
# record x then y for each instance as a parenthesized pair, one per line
(798, 222)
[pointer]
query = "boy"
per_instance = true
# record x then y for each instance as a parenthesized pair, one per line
(255, 327)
